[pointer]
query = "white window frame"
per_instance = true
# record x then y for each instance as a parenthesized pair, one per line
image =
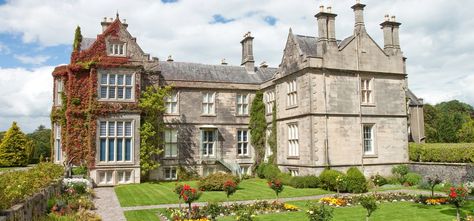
(57, 142)
(270, 101)
(292, 93)
(171, 103)
(170, 173)
(242, 101)
(243, 144)
(208, 103)
(108, 136)
(115, 87)
(367, 91)
(171, 141)
(368, 139)
(293, 143)
(124, 176)
(245, 170)
(118, 49)
(206, 143)
(59, 91)
(108, 176)
(294, 172)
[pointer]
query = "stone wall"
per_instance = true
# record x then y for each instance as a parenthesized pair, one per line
(33, 207)
(453, 172)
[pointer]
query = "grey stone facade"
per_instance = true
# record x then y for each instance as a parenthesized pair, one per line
(338, 103)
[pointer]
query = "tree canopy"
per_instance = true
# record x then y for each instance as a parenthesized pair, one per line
(15, 147)
(258, 127)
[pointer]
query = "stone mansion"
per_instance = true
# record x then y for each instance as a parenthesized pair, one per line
(339, 103)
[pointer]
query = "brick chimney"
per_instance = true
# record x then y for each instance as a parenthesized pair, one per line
(247, 52)
(391, 37)
(326, 28)
(359, 16)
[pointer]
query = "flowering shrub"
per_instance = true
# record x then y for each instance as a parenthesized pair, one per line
(189, 194)
(230, 187)
(332, 201)
(276, 186)
(216, 181)
(457, 196)
(245, 215)
(178, 189)
(319, 212)
(436, 201)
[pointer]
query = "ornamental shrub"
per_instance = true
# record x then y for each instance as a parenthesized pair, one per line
(260, 170)
(305, 182)
(319, 212)
(230, 187)
(15, 148)
(328, 179)
(355, 181)
(412, 179)
(369, 203)
(442, 152)
(189, 195)
(378, 180)
(285, 178)
(400, 171)
(457, 196)
(271, 171)
(216, 181)
(276, 186)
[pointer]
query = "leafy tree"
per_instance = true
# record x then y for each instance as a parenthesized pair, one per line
(41, 142)
(258, 127)
(466, 133)
(14, 147)
(77, 39)
(2, 134)
(272, 139)
(152, 104)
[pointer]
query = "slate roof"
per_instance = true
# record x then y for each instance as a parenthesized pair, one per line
(413, 100)
(86, 43)
(308, 44)
(185, 71)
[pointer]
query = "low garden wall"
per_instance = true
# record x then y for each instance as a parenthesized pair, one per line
(33, 207)
(449, 172)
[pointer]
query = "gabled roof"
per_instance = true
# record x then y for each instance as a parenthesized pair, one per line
(307, 45)
(86, 43)
(412, 99)
(184, 71)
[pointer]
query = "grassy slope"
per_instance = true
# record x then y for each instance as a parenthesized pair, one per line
(162, 193)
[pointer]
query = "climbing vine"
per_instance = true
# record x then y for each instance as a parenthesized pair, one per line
(258, 127)
(272, 139)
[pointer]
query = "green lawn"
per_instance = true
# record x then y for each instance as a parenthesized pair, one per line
(400, 211)
(162, 193)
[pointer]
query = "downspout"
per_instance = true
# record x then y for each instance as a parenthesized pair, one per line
(311, 118)
(326, 141)
(360, 102)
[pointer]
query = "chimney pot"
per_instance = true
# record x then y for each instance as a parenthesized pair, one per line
(105, 19)
(321, 8)
(393, 17)
(125, 21)
(170, 58)
(223, 62)
(329, 9)
(263, 64)
(247, 52)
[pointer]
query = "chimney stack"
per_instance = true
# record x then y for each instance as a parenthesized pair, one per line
(170, 59)
(105, 24)
(326, 27)
(359, 16)
(223, 62)
(391, 37)
(247, 52)
(263, 64)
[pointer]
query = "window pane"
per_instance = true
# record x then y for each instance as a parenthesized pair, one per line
(111, 92)
(128, 79)
(210, 150)
(244, 148)
(174, 136)
(119, 149)
(244, 133)
(102, 149)
(128, 129)
(120, 79)
(128, 149)
(174, 150)
(167, 136)
(103, 92)
(120, 92)
(111, 149)
(119, 129)
(112, 79)
(103, 128)
(111, 128)
(103, 79)
(128, 93)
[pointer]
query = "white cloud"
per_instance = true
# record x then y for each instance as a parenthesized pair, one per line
(26, 97)
(34, 60)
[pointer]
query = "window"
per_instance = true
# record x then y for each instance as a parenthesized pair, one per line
(268, 150)
(116, 86)
(57, 141)
(115, 141)
(171, 103)
(292, 98)
(124, 176)
(208, 142)
(117, 49)
(242, 143)
(294, 172)
(368, 131)
(59, 91)
(105, 177)
(293, 146)
(270, 100)
(170, 173)
(245, 170)
(242, 104)
(171, 143)
(208, 99)
(366, 91)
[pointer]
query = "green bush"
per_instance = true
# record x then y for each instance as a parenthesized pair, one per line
(215, 181)
(400, 172)
(305, 182)
(355, 181)
(15, 148)
(319, 212)
(412, 179)
(328, 179)
(17, 185)
(81, 170)
(378, 180)
(442, 152)
(260, 170)
(285, 178)
(271, 172)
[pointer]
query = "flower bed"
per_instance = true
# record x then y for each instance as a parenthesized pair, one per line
(333, 201)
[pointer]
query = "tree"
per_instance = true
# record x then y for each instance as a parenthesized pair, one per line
(14, 147)
(370, 204)
(77, 39)
(41, 142)
(152, 104)
(272, 139)
(466, 133)
(258, 127)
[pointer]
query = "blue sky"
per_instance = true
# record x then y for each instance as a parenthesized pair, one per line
(436, 36)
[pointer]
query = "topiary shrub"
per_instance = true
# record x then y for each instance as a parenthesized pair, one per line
(216, 181)
(328, 179)
(305, 182)
(355, 181)
(412, 179)
(271, 172)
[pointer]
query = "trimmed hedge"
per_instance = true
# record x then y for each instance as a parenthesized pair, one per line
(305, 182)
(442, 152)
(215, 181)
(16, 186)
(355, 181)
(268, 171)
(328, 179)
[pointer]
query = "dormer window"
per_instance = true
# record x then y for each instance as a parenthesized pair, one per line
(117, 49)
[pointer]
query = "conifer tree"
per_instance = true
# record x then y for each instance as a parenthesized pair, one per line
(14, 147)
(258, 127)
(77, 39)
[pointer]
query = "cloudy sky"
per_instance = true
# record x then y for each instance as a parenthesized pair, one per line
(437, 36)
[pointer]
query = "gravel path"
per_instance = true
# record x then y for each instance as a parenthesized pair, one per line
(302, 198)
(108, 206)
